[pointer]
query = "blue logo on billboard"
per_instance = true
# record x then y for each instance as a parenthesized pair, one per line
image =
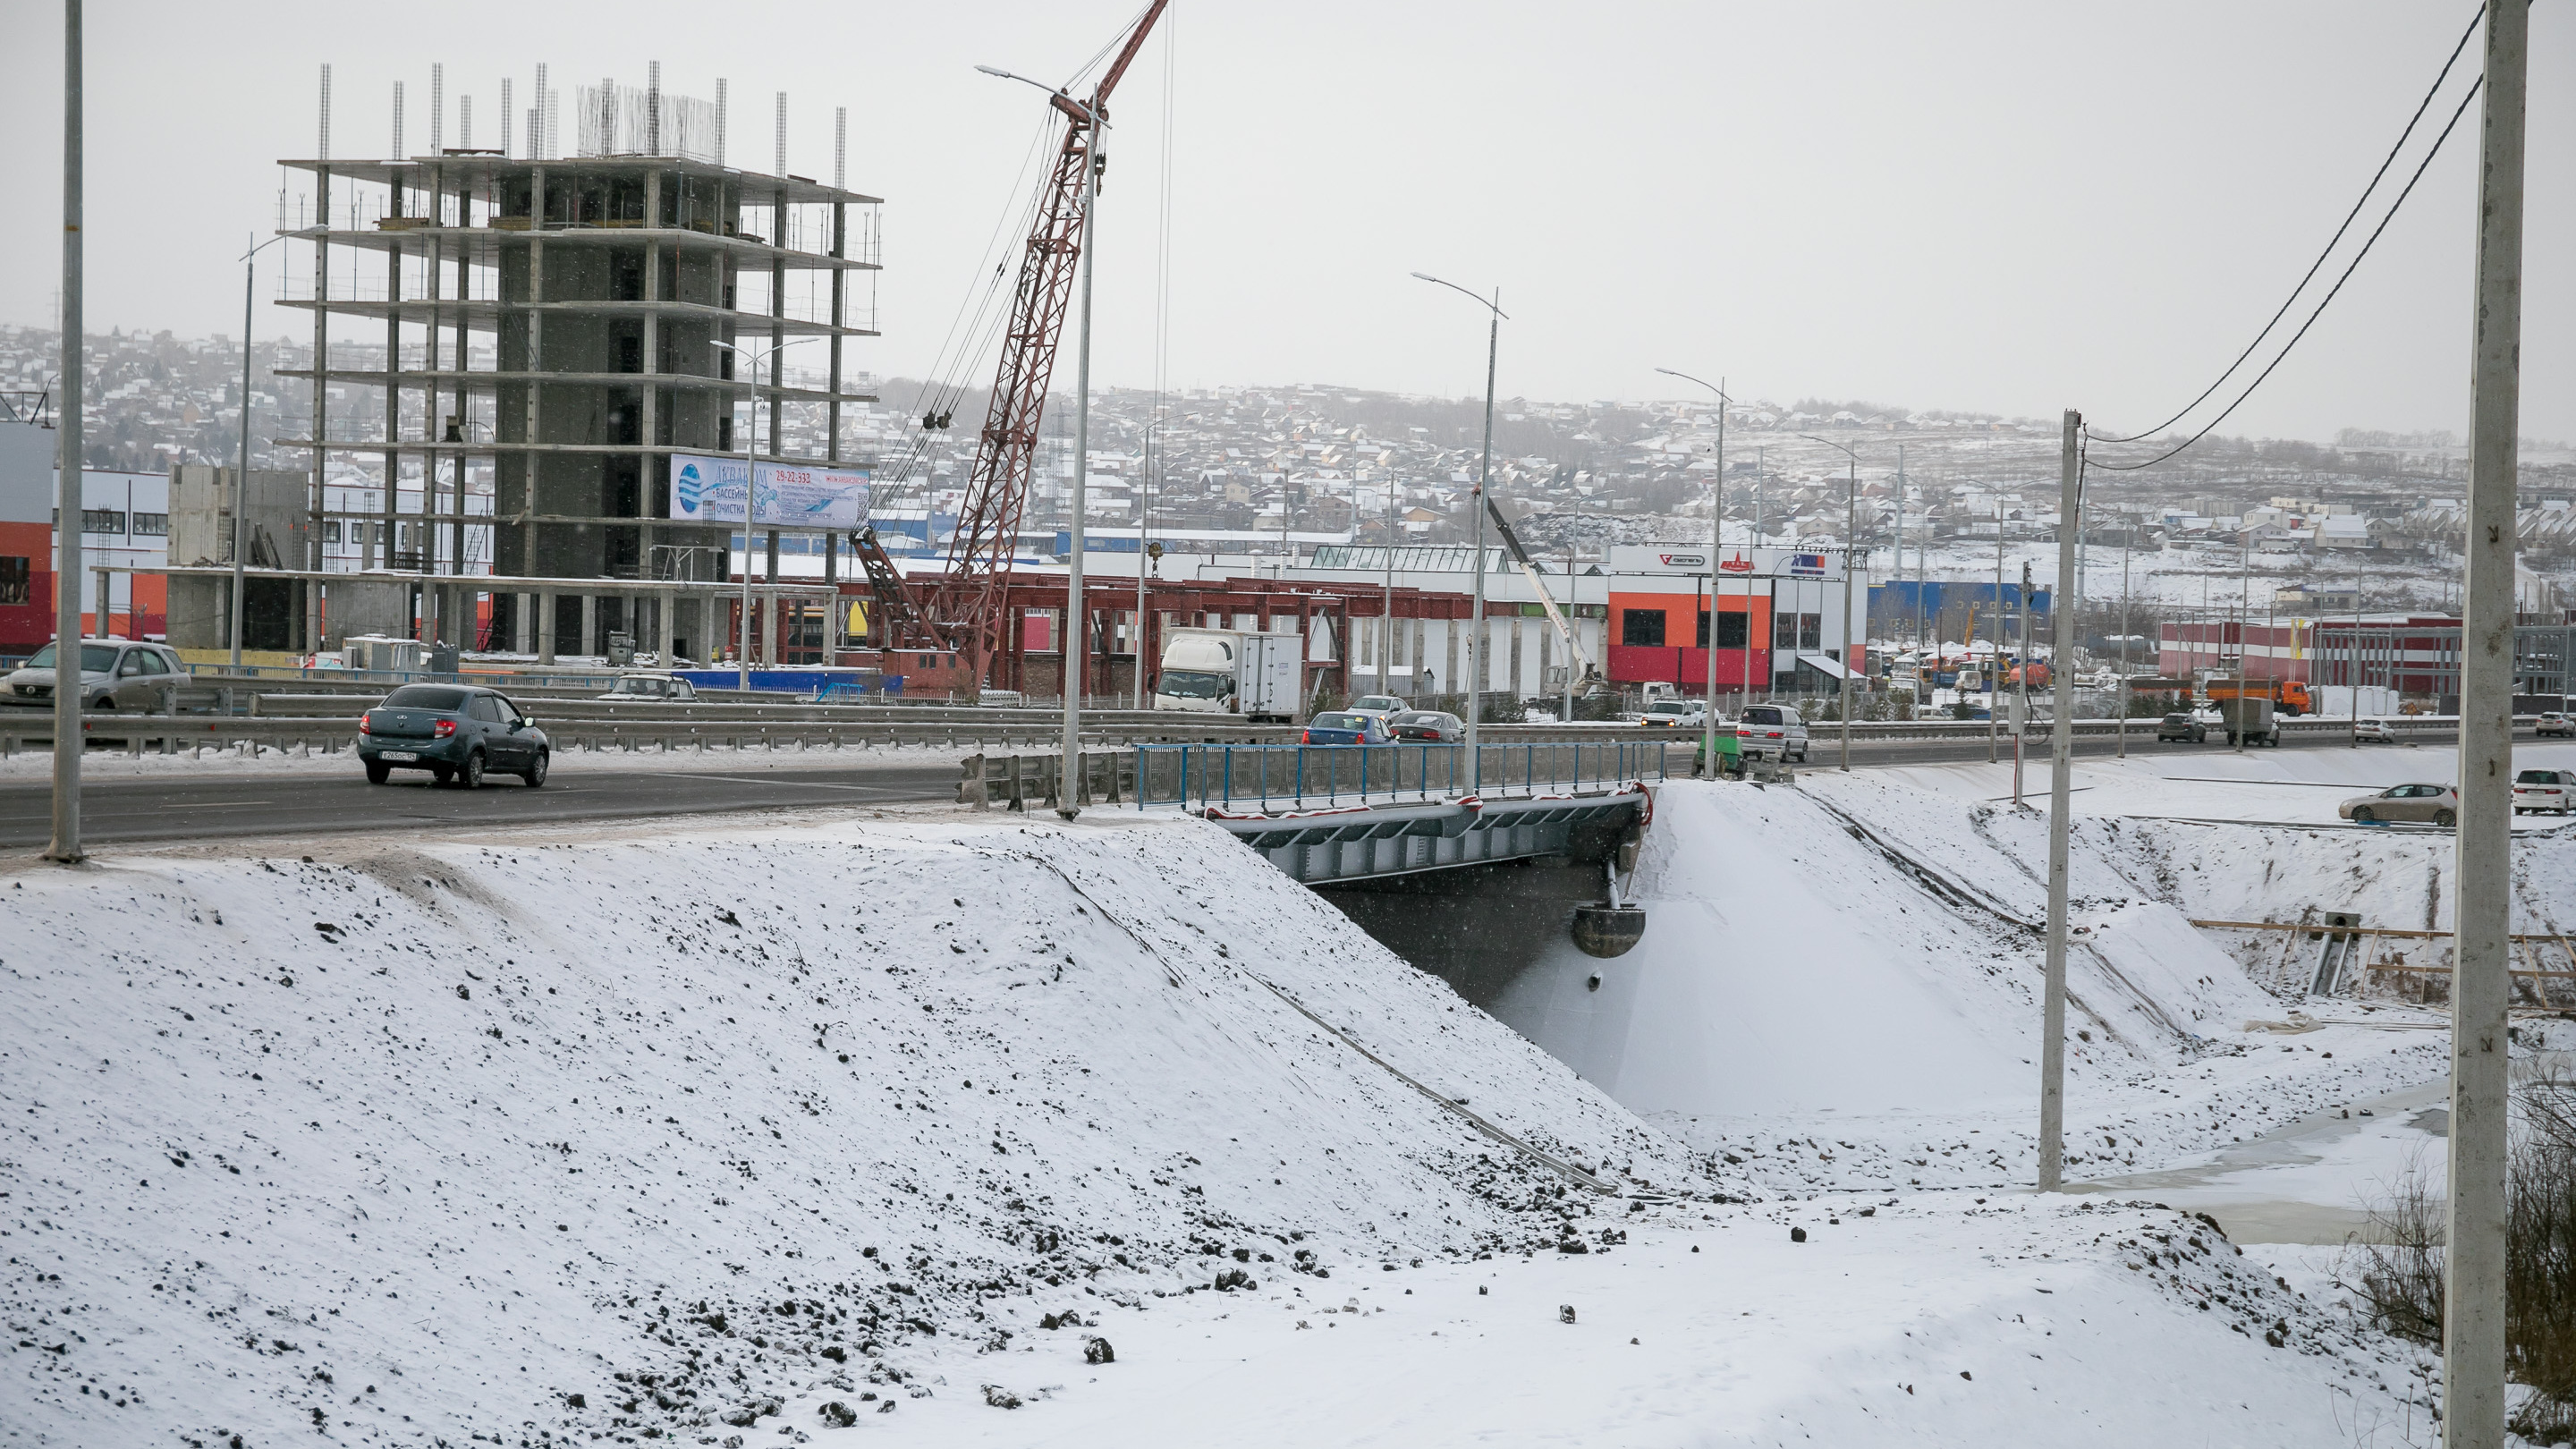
(691, 487)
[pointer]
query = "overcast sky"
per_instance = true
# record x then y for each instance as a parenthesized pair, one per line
(2018, 207)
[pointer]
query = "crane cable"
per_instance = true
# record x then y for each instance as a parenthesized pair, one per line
(2330, 295)
(943, 384)
(2313, 267)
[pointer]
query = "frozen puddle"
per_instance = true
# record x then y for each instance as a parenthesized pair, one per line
(2309, 1181)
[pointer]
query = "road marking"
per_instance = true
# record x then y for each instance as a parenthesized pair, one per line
(782, 784)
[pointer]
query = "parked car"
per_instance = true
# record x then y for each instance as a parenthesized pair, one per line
(2374, 732)
(1676, 714)
(2537, 790)
(456, 732)
(2556, 722)
(1771, 731)
(2428, 804)
(1381, 705)
(114, 674)
(652, 688)
(1341, 727)
(1427, 726)
(2182, 727)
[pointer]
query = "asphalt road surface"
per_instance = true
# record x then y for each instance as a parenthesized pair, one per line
(209, 807)
(299, 802)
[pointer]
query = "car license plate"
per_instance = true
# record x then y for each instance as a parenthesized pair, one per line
(397, 755)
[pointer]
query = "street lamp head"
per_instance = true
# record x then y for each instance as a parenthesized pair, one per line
(1427, 277)
(995, 70)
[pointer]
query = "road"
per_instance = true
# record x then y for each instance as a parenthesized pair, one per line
(211, 806)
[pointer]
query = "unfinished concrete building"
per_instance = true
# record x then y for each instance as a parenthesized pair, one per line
(546, 332)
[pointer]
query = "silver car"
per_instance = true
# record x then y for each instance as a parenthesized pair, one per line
(2423, 804)
(115, 674)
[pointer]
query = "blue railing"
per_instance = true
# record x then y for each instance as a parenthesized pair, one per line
(1293, 777)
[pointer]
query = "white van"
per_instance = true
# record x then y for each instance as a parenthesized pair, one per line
(1771, 731)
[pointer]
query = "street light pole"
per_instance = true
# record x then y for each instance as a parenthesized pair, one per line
(750, 476)
(1077, 633)
(1144, 505)
(1716, 546)
(241, 467)
(1077, 628)
(65, 847)
(1851, 539)
(1476, 633)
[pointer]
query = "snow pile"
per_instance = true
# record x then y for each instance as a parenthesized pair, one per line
(1839, 986)
(661, 1134)
(1933, 1319)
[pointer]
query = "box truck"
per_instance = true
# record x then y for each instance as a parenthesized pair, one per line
(2288, 696)
(1228, 671)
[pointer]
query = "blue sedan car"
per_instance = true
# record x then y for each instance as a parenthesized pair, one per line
(1343, 728)
(454, 731)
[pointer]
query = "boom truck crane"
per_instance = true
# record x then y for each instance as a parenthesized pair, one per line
(1538, 582)
(963, 612)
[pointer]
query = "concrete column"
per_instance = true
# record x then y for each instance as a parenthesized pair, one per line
(523, 631)
(1449, 656)
(710, 625)
(769, 622)
(666, 609)
(545, 628)
(589, 642)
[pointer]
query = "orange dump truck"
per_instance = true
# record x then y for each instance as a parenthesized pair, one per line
(2288, 696)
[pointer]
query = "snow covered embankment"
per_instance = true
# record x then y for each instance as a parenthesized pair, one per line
(659, 1133)
(1840, 987)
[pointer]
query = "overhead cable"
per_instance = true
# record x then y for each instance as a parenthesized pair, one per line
(2329, 297)
(2358, 203)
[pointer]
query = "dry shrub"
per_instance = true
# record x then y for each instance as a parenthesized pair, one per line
(2397, 1264)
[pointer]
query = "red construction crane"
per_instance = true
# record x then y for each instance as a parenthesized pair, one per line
(963, 612)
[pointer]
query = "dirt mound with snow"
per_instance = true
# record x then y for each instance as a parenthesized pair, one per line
(665, 1135)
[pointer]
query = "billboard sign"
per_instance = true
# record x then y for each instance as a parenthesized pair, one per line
(713, 488)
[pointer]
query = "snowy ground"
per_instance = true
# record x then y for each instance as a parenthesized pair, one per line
(2292, 787)
(690, 1131)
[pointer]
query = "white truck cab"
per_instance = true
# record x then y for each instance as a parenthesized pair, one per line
(1229, 671)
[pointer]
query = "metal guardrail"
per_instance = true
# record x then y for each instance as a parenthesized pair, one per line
(177, 733)
(1294, 777)
(1523, 754)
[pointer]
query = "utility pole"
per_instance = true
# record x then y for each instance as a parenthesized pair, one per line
(2473, 1291)
(1386, 610)
(65, 847)
(1851, 547)
(2128, 541)
(2244, 615)
(241, 466)
(2021, 688)
(1994, 677)
(2061, 775)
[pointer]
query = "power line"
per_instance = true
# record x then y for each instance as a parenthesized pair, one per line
(2322, 304)
(2358, 203)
